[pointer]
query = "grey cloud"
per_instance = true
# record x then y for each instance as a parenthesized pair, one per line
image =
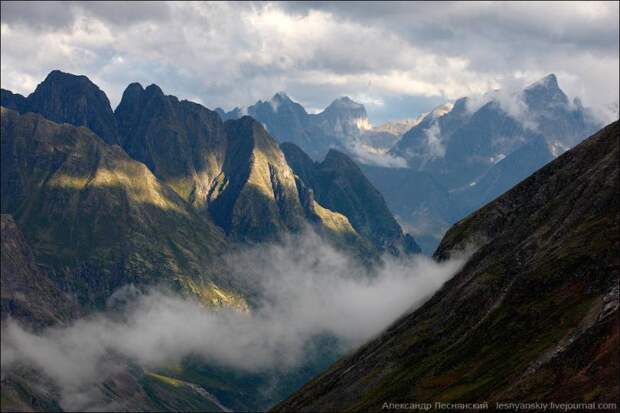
(42, 15)
(232, 54)
(445, 23)
(36, 14)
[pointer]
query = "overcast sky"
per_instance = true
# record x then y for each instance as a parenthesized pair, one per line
(399, 59)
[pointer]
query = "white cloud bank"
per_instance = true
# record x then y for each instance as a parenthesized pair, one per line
(306, 289)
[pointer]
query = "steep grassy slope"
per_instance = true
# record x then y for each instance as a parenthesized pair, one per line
(27, 292)
(532, 316)
(98, 219)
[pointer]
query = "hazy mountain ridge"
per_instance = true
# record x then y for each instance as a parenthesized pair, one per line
(343, 125)
(532, 317)
(464, 153)
(481, 131)
(478, 147)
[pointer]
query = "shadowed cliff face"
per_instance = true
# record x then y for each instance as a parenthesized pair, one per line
(183, 143)
(532, 316)
(254, 197)
(98, 218)
(339, 184)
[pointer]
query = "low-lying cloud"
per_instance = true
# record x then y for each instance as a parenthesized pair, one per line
(369, 155)
(304, 288)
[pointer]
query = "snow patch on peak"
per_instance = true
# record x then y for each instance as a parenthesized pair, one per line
(441, 110)
(363, 124)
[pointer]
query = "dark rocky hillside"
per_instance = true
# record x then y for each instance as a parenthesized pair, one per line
(533, 316)
(27, 291)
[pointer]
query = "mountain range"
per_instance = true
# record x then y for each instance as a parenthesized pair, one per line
(478, 148)
(435, 169)
(343, 125)
(156, 193)
(232, 174)
(159, 191)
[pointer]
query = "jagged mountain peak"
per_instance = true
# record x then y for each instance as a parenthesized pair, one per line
(340, 185)
(544, 92)
(134, 85)
(279, 100)
(336, 158)
(281, 97)
(59, 75)
(246, 121)
(58, 82)
(133, 88)
(153, 89)
(346, 102)
(548, 82)
(75, 99)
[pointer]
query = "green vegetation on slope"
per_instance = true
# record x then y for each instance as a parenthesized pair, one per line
(99, 220)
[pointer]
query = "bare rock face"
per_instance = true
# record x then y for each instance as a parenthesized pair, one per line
(533, 316)
(235, 172)
(341, 123)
